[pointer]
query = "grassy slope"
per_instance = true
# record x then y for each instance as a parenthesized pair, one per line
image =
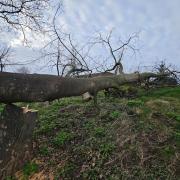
(125, 139)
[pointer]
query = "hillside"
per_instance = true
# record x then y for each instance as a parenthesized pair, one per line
(124, 139)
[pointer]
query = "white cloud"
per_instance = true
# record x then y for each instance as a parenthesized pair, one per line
(35, 40)
(158, 20)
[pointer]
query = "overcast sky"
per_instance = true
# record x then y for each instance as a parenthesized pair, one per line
(156, 20)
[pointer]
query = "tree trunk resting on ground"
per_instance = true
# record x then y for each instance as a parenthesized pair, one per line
(16, 130)
(16, 87)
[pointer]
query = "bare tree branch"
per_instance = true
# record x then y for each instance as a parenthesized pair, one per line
(71, 61)
(22, 14)
(116, 53)
(4, 55)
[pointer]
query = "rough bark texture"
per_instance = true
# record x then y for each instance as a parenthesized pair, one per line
(16, 130)
(16, 87)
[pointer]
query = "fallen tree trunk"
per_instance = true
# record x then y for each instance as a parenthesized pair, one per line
(16, 87)
(96, 75)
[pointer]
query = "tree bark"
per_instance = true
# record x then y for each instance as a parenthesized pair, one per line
(16, 130)
(16, 87)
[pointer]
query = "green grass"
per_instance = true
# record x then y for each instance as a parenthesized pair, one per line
(106, 149)
(135, 103)
(161, 92)
(65, 171)
(90, 125)
(62, 138)
(167, 152)
(174, 116)
(115, 114)
(44, 151)
(1, 108)
(29, 169)
(99, 132)
(123, 139)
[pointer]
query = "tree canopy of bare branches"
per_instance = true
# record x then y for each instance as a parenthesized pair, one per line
(116, 53)
(61, 52)
(21, 14)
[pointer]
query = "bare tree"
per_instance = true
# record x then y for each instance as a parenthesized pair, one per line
(4, 57)
(78, 63)
(62, 53)
(20, 14)
(163, 67)
(117, 52)
(66, 62)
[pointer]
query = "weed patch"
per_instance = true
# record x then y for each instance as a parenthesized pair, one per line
(106, 149)
(115, 114)
(135, 103)
(62, 138)
(44, 151)
(99, 132)
(174, 116)
(29, 169)
(66, 171)
(167, 152)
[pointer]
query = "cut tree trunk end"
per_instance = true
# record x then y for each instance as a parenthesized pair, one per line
(16, 132)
